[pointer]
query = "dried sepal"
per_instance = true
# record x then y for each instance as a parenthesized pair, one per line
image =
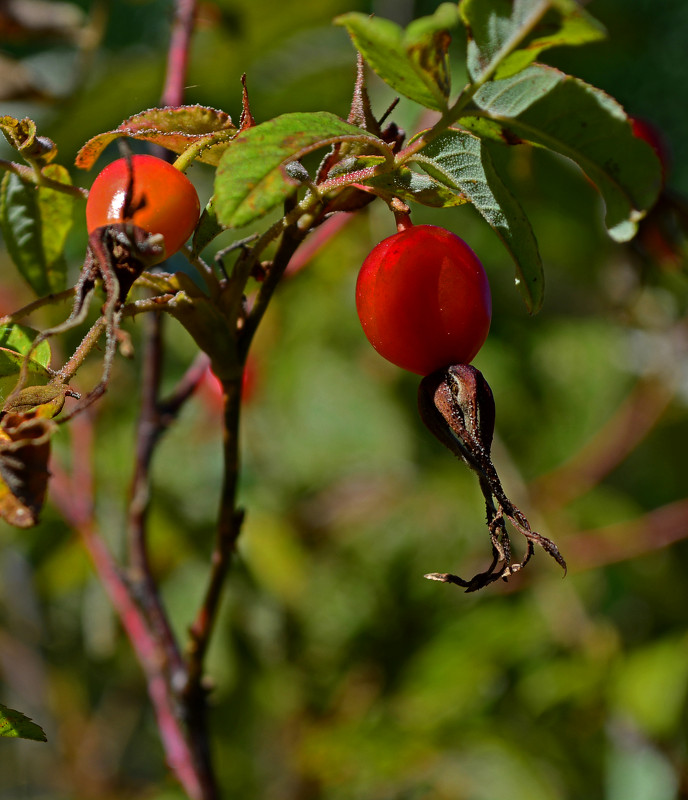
(24, 453)
(457, 406)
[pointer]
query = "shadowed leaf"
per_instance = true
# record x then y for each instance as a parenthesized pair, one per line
(545, 107)
(462, 162)
(35, 222)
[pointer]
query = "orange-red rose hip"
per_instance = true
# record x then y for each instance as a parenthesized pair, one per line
(424, 300)
(164, 200)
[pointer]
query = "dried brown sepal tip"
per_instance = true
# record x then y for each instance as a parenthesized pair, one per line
(117, 254)
(457, 406)
(246, 120)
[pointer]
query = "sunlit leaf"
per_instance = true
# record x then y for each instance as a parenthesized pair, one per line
(252, 177)
(412, 61)
(573, 27)
(19, 339)
(16, 725)
(418, 188)
(505, 36)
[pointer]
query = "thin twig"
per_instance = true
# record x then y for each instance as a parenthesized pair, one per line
(149, 430)
(228, 528)
(291, 239)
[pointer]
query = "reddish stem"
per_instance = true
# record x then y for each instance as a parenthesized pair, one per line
(73, 496)
(178, 54)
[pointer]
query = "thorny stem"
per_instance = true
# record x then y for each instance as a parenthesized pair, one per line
(155, 416)
(78, 357)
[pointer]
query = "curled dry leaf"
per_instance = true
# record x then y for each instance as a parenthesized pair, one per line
(24, 453)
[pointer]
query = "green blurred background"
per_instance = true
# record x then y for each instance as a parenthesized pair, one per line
(339, 672)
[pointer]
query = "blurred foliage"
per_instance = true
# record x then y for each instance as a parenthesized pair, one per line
(339, 673)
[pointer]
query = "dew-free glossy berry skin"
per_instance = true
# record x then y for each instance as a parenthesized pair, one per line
(424, 300)
(164, 199)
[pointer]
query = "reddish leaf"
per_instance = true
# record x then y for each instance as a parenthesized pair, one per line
(174, 128)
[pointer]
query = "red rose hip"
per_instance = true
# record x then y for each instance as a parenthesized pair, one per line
(424, 300)
(164, 200)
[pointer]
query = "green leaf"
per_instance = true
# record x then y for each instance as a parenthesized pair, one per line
(511, 96)
(16, 725)
(35, 222)
(414, 186)
(252, 177)
(547, 108)
(575, 27)
(462, 162)
(412, 61)
(207, 229)
(15, 343)
(19, 339)
(56, 211)
(504, 36)
(402, 182)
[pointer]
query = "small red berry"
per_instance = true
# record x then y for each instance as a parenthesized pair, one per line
(163, 201)
(424, 300)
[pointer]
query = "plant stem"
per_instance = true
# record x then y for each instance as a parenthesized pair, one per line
(35, 176)
(74, 496)
(178, 52)
(228, 529)
(77, 359)
(150, 428)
